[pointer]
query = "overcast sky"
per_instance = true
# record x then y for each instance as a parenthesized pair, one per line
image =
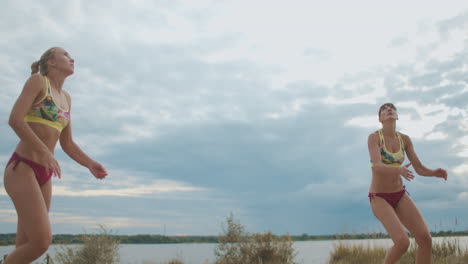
(259, 108)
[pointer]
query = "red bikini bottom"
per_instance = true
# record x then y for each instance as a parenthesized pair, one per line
(42, 175)
(392, 198)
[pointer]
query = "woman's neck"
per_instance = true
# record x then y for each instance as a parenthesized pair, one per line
(56, 81)
(389, 128)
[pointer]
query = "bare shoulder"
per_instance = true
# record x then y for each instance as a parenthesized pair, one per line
(36, 78)
(35, 83)
(68, 96)
(374, 134)
(373, 137)
(406, 139)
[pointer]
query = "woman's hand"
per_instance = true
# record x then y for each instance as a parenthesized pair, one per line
(97, 170)
(440, 173)
(406, 173)
(50, 163)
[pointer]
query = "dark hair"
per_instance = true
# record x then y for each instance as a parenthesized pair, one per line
(385, 105)
(41, 65)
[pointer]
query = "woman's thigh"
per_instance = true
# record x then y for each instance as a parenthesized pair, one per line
(46, 189)
(411, 218)
(28, 199)
(389, 218)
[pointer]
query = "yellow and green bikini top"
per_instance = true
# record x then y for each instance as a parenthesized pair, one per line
(47, 112)
(391, 158)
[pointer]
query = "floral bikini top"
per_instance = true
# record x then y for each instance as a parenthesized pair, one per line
(47, 112)
(391, 158)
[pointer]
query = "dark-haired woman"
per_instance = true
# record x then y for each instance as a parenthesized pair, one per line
(389, 200)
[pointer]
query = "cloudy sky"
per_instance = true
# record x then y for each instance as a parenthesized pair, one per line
(259, 108)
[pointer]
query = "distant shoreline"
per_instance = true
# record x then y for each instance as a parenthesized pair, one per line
(9, 239)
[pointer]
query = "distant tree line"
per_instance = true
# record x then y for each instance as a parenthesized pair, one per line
(9, 239)
(306, 237)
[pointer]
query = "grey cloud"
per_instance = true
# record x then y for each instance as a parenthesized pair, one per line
(166, 213)
(443, 83)
(447, 67)
(458, 75)
(399, 42)
(459, 100)
(427, 79)
(317, 54)
(457, 22)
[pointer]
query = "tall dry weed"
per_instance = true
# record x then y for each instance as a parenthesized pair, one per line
(236, 246)
(97, 248)
(449, 251)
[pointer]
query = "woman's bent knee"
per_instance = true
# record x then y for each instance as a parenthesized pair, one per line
(402, 243)
(41, 245)
(424, 240)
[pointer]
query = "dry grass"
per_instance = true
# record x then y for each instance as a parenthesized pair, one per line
(449, 251)
(172, 261)
(175, 261)
(97, 248)
(238, 247)
(356, 254)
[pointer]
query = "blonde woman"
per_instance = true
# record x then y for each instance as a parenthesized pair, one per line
(41, 118)
(389, 200)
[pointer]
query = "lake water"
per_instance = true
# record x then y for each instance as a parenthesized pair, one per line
(308, 252)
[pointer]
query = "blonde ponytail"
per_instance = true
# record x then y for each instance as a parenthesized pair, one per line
(41, 65)
(34, 67)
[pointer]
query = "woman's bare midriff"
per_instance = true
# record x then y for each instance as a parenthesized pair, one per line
(48, 135)
(385, 183)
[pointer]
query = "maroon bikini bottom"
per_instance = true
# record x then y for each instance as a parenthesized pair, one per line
(392, 198)
(42, 175)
